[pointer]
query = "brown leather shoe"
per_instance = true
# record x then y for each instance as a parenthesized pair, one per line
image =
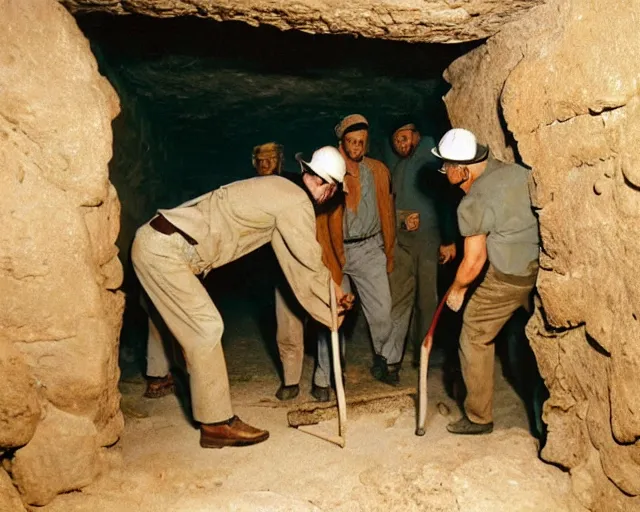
(467, 427)
(157, 387)
(233, 432)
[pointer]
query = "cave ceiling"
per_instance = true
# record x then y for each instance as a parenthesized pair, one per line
(426, 21)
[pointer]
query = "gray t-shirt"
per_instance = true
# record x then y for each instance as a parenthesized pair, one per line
(365, 222)
(498, 205)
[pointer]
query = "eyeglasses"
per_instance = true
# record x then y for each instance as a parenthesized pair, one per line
(452, 166)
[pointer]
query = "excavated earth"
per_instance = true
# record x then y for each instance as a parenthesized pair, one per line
(158, 465)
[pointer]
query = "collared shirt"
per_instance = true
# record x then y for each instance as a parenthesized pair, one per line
(498, 205)
(365, 221)
(238, 218)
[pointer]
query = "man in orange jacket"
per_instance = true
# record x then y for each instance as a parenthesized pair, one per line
(357, 238)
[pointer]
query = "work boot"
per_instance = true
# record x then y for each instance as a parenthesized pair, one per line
(379, 368)
(465, 426)
(157, 387)
(320, 393)
(287, 392)
(387, 373)
(393, 375)
(232, 432)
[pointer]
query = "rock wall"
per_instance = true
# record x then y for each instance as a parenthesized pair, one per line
(60, 311)
(559, 89)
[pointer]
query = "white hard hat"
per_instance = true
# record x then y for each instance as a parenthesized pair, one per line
(460, 145)
(326, 162)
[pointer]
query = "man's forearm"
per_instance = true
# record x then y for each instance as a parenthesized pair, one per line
(475, 256)
(467, 272)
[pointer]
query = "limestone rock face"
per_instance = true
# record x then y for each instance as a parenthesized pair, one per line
(565, 79)
(9, 498)
(19, 405)
(62, 456)
(60, 310)
(435, 21)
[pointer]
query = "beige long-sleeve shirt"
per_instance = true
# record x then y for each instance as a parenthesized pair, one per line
(240, 217)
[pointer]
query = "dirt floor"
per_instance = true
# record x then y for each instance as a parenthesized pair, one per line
(159, 466)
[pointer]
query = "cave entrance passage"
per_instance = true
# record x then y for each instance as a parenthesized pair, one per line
(198, 95)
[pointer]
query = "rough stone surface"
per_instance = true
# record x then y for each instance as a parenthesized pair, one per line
(565, 81)
(19, 406)
(60, 310)
(487, 482)
(62, 456)
(435, 21)
(9, 498)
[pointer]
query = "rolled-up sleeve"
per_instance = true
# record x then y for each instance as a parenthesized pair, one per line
(300, 256)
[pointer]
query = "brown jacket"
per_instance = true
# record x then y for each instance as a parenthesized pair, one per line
(329, 224)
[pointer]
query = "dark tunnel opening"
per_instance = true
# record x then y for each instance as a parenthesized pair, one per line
(196, 97)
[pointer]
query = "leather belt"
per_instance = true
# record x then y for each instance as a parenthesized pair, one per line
(162, 225)
(361, 239)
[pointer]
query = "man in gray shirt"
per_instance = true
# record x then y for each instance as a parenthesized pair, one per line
(426, 232)
(498, 224)
(357, 238)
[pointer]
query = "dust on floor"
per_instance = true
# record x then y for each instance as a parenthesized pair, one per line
(159, 466)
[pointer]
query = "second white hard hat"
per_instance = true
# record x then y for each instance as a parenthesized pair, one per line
(460, 145)
(326, 162)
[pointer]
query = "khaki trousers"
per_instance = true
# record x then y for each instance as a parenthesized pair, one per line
(413, 293)
(158, 364)
(290, 333)
(489, 308)
(166, 266)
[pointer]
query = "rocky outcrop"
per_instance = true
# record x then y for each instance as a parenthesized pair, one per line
(62, 456)
(9, 498)
(564, 81)
(434, 21)
(19, 403)
(60, 310)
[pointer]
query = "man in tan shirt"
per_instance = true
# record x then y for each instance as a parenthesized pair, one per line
(217, 228)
